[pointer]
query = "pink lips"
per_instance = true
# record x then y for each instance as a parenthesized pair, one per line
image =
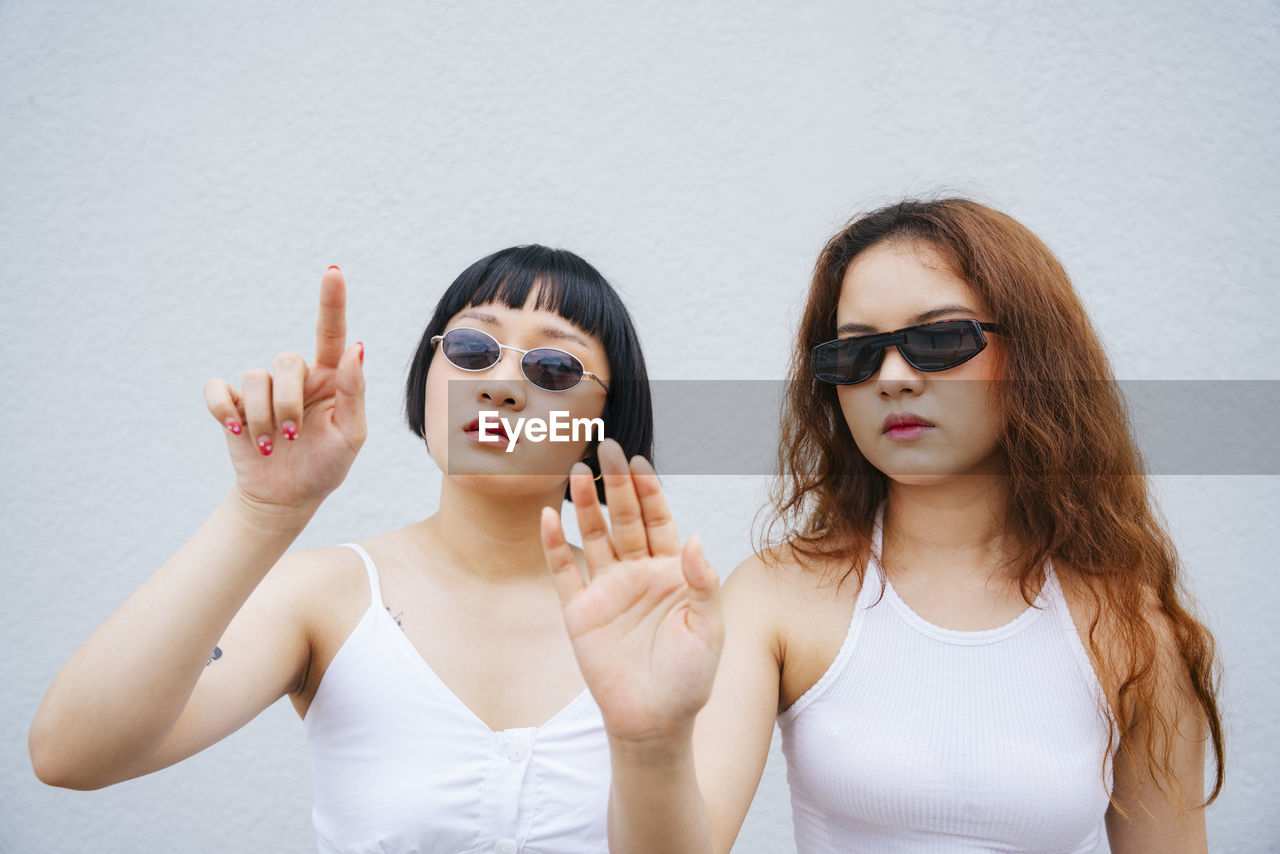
(904, 426)
(473, 431)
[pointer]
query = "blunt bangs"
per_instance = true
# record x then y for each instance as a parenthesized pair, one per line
(564, 284)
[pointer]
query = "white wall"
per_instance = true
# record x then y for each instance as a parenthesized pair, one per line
(175, 177)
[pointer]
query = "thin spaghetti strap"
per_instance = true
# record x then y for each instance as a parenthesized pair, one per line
(375, 590)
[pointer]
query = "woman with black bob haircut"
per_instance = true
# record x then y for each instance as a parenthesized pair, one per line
(577, 293)
(442, 703)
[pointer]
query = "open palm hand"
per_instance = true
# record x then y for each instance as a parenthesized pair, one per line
(646, 623)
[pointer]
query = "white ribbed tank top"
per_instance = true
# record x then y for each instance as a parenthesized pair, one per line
(399, 764)
(925, 739)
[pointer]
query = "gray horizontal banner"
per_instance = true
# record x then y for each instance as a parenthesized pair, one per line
(731, 427)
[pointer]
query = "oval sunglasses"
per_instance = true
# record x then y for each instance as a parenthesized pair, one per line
(547, 368)
(929, 347)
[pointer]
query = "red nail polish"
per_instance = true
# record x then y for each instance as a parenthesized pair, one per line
(264, 444)
(290, 430)
(233, 425)
(360, 344)
(334, 267)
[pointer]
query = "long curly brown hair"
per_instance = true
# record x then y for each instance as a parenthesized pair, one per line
(1077, 492)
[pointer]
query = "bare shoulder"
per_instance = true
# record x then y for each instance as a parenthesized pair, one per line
(770, 588)
(793, 581)
(806, 605)
(1091, 602)
(751, 586)
(313, 576)
(1107, 630)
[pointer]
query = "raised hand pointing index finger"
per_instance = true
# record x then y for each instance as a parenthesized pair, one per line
(331, 327)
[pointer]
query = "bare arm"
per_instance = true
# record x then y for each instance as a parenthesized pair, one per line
(733, 732)
(687, 794)
(142, 692)
(116, 709)
(1146, 815)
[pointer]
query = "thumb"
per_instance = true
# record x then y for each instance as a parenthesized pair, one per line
(704, 582)
(348, 400)
(705, 617)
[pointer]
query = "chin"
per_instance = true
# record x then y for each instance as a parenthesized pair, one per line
(918, 478)
(509, 485)
(937, 475)
(494, 472)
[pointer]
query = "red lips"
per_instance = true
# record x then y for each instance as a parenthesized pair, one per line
(495, 428)
(905, 426)
(904, 419)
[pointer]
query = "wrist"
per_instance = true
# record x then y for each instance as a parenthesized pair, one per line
(665, 747)
(269, 518)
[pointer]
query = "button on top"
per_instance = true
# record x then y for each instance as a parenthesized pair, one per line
(505, 846)
(515, 747)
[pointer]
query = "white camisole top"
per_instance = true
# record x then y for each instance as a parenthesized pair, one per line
(400, 765)
(924, 739)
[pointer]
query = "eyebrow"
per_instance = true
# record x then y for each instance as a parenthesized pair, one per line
(922, 317)
(555, 332)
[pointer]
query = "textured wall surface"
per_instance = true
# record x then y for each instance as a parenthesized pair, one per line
(175, 177)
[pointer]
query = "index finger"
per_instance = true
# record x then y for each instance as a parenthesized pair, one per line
(331, 327)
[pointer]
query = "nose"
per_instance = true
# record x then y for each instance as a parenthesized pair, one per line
(896, 376)
(503, 385)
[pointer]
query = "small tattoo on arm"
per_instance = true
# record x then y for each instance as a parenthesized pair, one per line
(396, 617)
(217, 653)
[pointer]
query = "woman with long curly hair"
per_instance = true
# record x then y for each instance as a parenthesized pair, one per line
(969, 624)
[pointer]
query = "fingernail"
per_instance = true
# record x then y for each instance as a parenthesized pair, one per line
(264, 444)
(360, 344)
(233, 425)
(334, 267)
(289, 429)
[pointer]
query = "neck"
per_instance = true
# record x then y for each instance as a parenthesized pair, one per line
(494, 538)
(955, 528)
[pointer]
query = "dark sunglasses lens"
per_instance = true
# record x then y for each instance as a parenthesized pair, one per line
(554, 370)
(938, 346)
(470, 349)
(845, 362)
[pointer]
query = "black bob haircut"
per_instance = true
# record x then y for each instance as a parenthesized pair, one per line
(569, 286)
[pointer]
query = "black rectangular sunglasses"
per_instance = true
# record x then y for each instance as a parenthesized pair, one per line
(935, 346)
